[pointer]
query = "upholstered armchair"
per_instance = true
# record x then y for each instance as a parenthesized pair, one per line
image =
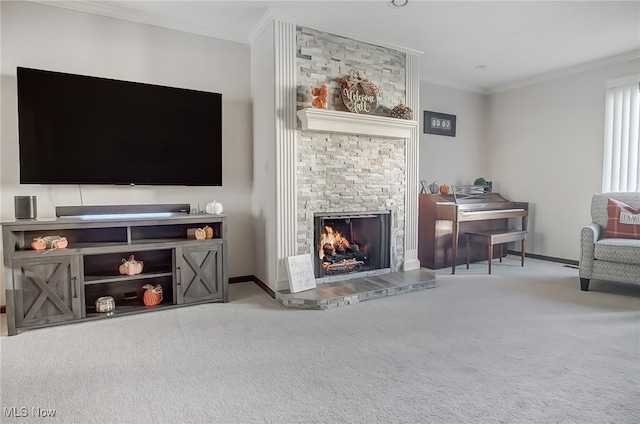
(610, 245)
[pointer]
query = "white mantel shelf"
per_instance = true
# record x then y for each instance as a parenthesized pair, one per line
(332, 121)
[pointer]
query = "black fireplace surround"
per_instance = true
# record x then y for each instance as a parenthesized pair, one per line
(351, 242)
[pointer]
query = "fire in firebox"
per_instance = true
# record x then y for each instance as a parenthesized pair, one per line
(337, 253)
(354, 243)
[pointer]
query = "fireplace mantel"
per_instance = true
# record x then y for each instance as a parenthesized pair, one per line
(332, 121)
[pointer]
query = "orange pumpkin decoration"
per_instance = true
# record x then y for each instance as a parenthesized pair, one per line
(321, 100)
(131, 266)
(38, 244)
(444, 189)
(49, 242)
(61, 243)
(152, 295)
(196, 233)
(208, 232)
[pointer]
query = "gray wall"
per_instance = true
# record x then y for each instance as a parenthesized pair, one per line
(53, 38)
(540, 144)
(460, 159)
(546, 147)
(264, 154)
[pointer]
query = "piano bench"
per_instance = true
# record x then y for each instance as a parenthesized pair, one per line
(492, 238)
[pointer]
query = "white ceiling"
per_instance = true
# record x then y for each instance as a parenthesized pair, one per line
(480, 46)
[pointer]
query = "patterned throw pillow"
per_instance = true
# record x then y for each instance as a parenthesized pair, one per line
(623, 222)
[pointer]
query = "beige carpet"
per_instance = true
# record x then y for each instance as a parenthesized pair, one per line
(523, 345)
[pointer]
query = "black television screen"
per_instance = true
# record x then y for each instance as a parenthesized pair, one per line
(76, 129)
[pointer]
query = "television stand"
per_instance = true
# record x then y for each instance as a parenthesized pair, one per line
(60, 286)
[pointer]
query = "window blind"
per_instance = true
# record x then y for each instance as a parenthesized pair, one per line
(621, 167)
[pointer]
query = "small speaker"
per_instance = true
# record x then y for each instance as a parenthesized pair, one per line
(26, 207)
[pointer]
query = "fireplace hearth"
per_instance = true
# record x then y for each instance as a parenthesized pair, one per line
(351, 243)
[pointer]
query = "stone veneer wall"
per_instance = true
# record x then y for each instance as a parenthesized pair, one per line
(322, 58)
(349, 173)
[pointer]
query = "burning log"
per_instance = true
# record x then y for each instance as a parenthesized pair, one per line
(343, 265)
(328, 249)
(337, 257)
(337, 253)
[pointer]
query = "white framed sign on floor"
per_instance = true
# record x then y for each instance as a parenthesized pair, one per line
(300, 272)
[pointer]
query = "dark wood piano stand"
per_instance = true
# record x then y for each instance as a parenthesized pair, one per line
(500, 238)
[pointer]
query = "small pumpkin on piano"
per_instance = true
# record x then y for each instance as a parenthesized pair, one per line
(444, 189)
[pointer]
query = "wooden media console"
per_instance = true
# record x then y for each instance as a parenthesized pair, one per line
(59, 286)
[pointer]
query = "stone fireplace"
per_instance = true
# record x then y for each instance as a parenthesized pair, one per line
(346, 173)
(330, 162)
(351, 243)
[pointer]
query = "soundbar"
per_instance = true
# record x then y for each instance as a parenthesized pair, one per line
(119, 210)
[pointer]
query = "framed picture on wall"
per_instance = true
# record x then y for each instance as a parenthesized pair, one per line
(439, 123)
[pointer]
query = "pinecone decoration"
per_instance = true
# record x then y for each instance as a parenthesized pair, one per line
(402, 112)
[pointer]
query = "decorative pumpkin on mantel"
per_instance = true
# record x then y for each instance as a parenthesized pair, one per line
(321, 97)
(131, 266)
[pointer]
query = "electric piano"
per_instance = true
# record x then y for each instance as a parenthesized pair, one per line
(445, 218)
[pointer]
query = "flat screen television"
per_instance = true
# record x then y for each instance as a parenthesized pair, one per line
(76, 129)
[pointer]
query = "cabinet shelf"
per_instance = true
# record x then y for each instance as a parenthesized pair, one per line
(125, 310)
(113, 247)
(171, 241)
(88, 280)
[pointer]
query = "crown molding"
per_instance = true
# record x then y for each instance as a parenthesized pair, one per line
(275, 14)
(269, 16)
(450, 84)
(566, 72)
(117, 13)
(549, 76)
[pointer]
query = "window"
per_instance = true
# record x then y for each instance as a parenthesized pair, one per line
(621, 167)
